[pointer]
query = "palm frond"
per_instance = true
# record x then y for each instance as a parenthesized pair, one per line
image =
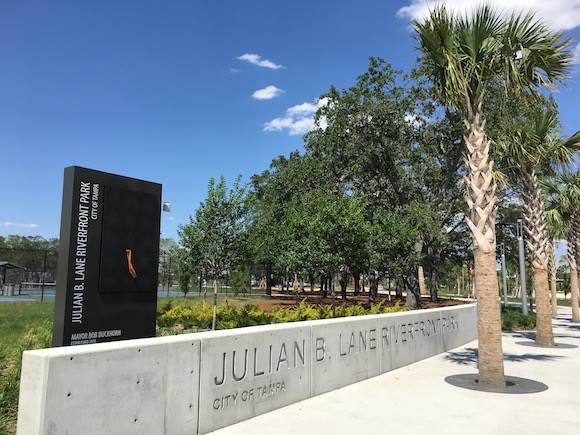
(466, 53)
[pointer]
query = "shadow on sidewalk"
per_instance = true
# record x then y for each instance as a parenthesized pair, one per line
(531, 335)
(470, 354)
(572, 326)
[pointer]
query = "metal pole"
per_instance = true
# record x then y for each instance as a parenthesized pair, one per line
(463, 278)
(170, 276)
(43, 275)
(503, 275)
(164, 282)
(520, 229)
(268, 279)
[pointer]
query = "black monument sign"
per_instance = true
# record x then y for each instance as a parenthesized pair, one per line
(108, 258)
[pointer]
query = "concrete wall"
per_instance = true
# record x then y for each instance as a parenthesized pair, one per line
(200, 382)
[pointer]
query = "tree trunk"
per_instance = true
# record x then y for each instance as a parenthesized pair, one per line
(399, 286)
(433, 291)
(269, 279)
(421, 278)
(343, 283)
(481, 200)
(572, 256)
(544, 334)
(413, 299)
(573, 272)
(373, 287)
(553, 283)
(215, 292)
(295, 287)
(491, 370)
(537, 242)
(295, 282)
(356, 276)
(333, 302)
(574, 295)
(204, 289)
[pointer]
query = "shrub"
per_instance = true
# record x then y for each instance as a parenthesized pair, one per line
(162, 309)
(512, 318)
(200, 316)
(240, 280)
(378, 308)
(280, 315)
(251, 315)
(178, 315)
(227, 316)
(349, 311)
(394, 309)
(303, 311)
(324, 311)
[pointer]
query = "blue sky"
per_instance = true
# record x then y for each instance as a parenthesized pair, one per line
(177, 92)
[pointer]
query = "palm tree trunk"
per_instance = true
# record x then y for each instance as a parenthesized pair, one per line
(572, 252)
(572, 256)
(574, 295)
(544, 334)
(537, 243)
(553, 283)
(481, 199)
(491, 371)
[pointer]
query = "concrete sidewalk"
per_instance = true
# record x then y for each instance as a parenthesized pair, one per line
(416, 399)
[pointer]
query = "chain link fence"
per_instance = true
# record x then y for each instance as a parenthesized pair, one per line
(32, 271)
(27, 270)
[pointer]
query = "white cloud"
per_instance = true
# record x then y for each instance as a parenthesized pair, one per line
(577, 54)
(560, 14)
(414, 120)
(303, 109)
(268, 93)
(299, 119)
(14, 224)
(256, 59)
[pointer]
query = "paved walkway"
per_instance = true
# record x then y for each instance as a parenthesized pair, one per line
(417, 400)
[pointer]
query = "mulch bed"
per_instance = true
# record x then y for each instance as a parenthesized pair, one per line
(283, 300)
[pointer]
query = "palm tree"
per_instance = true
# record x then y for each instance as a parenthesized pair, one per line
(532, 144)
(573, 253)
(564, 208)
(557, 230)
(555, 233)
(465, 54)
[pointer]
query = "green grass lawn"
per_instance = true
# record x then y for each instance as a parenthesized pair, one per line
(17, 318)
(561, 302)
(23, 326)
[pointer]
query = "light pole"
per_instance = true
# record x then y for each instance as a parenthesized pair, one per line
(520, 229)
(503, 275)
